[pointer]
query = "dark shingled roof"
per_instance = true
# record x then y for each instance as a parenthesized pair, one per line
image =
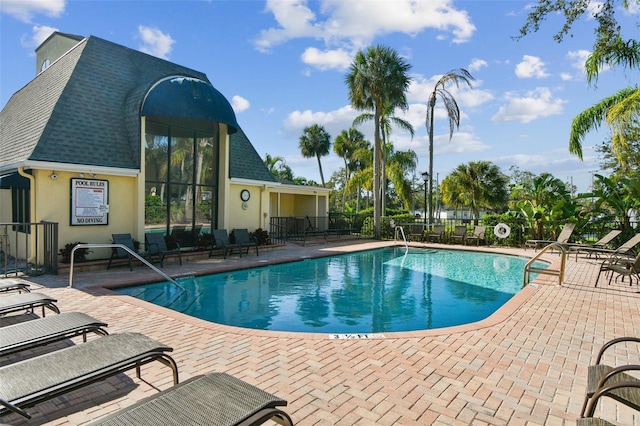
(85, 108)
(244, 161)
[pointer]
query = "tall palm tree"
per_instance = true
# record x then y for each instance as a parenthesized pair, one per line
(479, 184)
(378, 81)
(400, 165)
(345, 145)
(315, 142)
(455, 76)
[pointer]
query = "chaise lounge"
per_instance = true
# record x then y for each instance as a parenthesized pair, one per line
(563, 238)
(157, 246)
(14, 284)
(27, 301)
(42, 331)
(27, 383)
(216, 399)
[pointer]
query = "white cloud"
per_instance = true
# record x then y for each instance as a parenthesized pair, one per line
(357, 22)
(476, 64)
(334, 122)
(530, 67)
(39, 34)
(155, 42)
(328, 59)
(24, 10)
(239, 104)
(534, 104)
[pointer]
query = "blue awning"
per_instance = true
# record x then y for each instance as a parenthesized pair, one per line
(13, 180)
(189, 98)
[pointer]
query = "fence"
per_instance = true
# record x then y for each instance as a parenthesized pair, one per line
(28, 248)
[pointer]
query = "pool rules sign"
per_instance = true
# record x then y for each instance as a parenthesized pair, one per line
(89, 202)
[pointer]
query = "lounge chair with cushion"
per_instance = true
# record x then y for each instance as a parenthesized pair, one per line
(479, 234)
(14, 284)
(157, 246)
(221, 242)
(212, 399)
(436, 234)
(601, 375)
(621, 266)
(27, 335)
(27, 383)
(244, 240)
(600, 244)
(563, 238)
(27, 301)
(459, 234)
(120, 253)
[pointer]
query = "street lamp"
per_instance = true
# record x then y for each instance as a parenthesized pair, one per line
(425, 177)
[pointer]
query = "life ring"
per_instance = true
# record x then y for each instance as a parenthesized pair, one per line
(502, 230)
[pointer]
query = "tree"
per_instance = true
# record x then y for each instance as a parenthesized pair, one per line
(315, 142)
(378, 81)
(456, 76)
(345, 145)
(479, 184)
(616, 198)
(278, 167)
(610, 49)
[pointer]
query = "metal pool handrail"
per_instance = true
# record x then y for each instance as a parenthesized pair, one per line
(528, 268)
(125, 248)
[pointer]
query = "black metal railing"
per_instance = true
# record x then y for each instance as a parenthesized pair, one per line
(28, 248)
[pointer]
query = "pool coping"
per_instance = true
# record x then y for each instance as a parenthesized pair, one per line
(500, 315)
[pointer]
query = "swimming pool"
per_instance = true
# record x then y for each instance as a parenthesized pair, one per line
(376, 291)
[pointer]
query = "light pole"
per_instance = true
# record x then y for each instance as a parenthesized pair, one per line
(425, 177)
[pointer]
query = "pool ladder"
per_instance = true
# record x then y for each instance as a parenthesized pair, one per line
(530, 269)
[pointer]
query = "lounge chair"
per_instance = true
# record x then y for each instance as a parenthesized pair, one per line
(620, 266)
(459, 234)
(221, 242)
(26, 335)
(244, 240)
(27, 301)
(436, 234)
(478, 234)
(601, 375)
(600, 244)
(627, 390)
(119, 253)
(14, 284)
(416, 232)
(624, 250)
(212, 399)
(177, 235)
(157, 246)
(563, 238)
(34, 380)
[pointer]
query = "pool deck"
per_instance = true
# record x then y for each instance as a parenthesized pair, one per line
(525, 365)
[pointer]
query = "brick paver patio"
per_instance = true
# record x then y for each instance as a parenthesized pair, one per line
(525, 365)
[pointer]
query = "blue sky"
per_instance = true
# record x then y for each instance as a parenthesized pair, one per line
(282, 65)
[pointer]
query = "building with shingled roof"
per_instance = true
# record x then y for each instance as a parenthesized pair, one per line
(106, 140)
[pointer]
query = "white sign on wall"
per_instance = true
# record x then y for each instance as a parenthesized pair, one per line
(89, 202)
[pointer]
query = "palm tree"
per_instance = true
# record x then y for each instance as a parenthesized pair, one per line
(479, 184)
(402, 164)
(315, 142)
(345, 145)
(454, 76)
(378, 82)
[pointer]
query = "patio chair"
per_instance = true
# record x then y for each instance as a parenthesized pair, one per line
(221, 242)
(14, 284)
(621, 266)
(563, 238)
(120, 253)
(478, 234)
(244, 240)
(624, 250)
(214, 399)
(416, 232)
(436, 234)
(601, 376)
(459, 234)
(27, 301)
(27, 383)
(39, 332)
(627, 390)
(155, 245)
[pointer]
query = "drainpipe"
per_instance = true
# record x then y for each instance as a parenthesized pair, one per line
(32, 207)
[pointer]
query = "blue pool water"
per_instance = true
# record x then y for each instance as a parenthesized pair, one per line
(375, 291)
